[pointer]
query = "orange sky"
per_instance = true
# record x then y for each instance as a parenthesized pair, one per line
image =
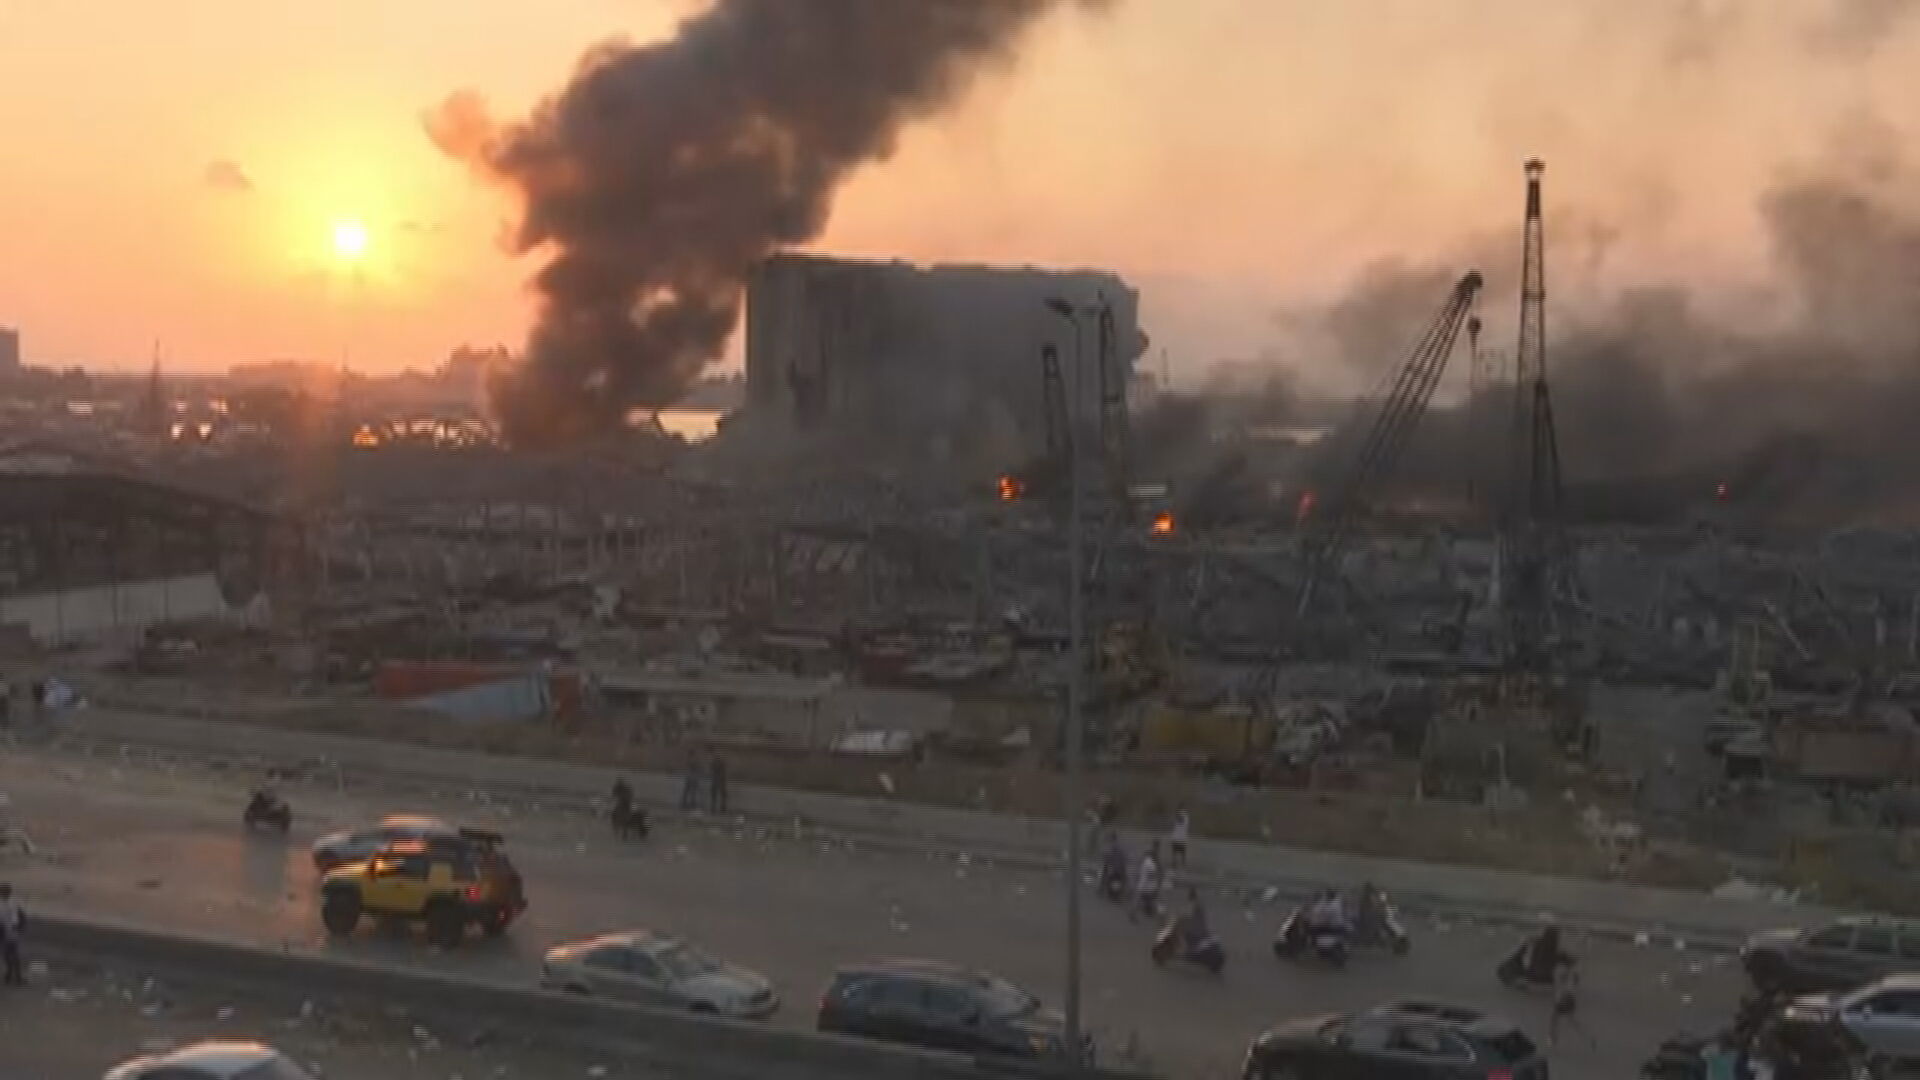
(1232, 156)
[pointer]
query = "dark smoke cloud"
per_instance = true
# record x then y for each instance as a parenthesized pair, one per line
(663, 173)
(1805, 400)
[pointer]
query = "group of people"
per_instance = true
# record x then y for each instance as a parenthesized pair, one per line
(1750, 1048)
(1143, 884)
(706, 775)
(36, 696)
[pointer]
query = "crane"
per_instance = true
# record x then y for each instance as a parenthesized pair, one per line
(1398, 413)
(1536, 558)
(1043, 475)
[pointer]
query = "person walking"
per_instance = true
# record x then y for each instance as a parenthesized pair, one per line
(690, 786)
(717, 783)
(1146, 889)
(1177, 838)
(13, 925)
(1566, 1004)
(1102, 817)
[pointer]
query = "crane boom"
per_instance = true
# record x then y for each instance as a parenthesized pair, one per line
(1399, 413)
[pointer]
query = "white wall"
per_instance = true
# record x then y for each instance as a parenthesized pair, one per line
(121, 610)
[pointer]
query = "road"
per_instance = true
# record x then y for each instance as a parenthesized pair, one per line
(74, 1025)
(161, 845)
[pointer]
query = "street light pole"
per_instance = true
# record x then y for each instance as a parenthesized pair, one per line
(1076, 653)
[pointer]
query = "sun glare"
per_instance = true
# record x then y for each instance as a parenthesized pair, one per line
(349, 240)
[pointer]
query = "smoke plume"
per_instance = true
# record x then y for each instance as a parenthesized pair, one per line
(661, 174)
(1800, 400)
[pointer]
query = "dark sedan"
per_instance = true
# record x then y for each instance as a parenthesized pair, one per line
(941, 1006)
(1409, 1040)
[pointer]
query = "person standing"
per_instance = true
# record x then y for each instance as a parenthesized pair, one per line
(13, 925)
(690, 786)
(1146, 889)
(717, 783)
(622, 814)
(1177, 838)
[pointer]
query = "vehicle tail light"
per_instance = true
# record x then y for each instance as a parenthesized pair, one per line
(1500, 1074)
(475, 892)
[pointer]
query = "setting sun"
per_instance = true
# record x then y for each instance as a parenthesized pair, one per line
(349, 240)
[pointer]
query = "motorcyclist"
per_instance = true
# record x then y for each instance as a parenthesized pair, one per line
(1328, 915)
(1544, 955)
(1192, 924)
(265, 798)
(1113, 867)
(1371, 913)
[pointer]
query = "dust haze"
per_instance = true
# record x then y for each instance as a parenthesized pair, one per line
(1760, 324)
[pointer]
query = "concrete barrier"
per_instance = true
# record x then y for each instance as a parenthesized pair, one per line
(689, 1044)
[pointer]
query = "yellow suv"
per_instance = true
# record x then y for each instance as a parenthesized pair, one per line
(449, 883)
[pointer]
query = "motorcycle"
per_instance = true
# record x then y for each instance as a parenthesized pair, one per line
(1331, 945)
(1383, 930)
(1516, 974)
(267, 811)
(629, 822)
(1113, 879)
(1206, 952)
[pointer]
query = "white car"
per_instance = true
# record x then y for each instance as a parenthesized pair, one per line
(658, 969)
(358, 845)
(212, 1061)
(1883, 1017)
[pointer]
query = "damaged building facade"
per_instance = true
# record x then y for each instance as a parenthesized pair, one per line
(938, 364)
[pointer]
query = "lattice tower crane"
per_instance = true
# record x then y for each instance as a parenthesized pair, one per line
(1399, 411)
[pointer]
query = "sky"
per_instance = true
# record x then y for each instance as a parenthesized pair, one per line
(176, 176)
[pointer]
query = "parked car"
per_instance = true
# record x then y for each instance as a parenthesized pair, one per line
(359, 845)
(1839, 956)
(943, 1006)
(212, 1061)
(1408, 1040)
(658, 969)
(1880, 1019)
